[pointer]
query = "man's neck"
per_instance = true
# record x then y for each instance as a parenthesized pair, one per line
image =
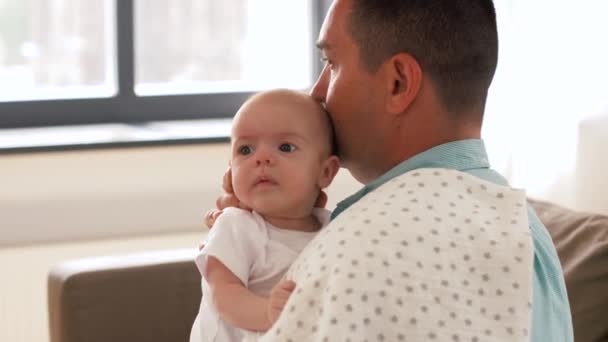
(411, 144)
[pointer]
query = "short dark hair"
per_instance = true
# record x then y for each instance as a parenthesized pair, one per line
(454, 41)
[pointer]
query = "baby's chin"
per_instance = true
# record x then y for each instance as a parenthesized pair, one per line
(280, 210)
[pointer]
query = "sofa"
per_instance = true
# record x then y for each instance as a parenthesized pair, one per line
(154, 297)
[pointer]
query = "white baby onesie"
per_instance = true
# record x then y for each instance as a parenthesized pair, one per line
(256, 252)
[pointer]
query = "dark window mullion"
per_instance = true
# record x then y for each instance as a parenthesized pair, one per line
(319, 11)
(125, 48)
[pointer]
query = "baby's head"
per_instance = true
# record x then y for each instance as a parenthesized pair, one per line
(282, 153)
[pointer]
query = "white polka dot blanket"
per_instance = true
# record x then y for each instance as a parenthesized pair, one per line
(432, 255)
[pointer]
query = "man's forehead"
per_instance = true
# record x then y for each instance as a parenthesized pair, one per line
(333, 22)
(323, 43)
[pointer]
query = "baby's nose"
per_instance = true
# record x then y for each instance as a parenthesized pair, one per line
(262, 161)
(264, 156)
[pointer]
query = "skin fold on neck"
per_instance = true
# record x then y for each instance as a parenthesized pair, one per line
(308, 223)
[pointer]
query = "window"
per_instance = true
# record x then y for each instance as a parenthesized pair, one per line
(68, 62)
(56, 49)
(222, 46)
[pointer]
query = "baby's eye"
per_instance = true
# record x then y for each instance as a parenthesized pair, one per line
(287, 147)
(245, 150)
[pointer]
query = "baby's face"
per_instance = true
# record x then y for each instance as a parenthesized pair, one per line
(278, 151)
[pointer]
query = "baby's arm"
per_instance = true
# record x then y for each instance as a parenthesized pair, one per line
(233, 301)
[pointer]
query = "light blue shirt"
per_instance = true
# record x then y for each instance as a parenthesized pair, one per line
(551, 319)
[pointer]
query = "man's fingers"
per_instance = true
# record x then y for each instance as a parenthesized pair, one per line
(230, 200)
(209, 219)
(227, 181)
(227, 200)
(243, 206)
(321, 201)
(216, 214)
(211, 216)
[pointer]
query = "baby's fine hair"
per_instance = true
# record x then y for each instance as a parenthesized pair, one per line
(303, 99)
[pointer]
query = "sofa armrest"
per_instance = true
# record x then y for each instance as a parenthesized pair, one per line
(140, 297)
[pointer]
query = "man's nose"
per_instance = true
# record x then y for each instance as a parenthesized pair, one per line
(319, 89)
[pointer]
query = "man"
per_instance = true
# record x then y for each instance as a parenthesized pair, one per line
(405, 83)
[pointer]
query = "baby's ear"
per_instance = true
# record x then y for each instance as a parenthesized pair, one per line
(329, 170)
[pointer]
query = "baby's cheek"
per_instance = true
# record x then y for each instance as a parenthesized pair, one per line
(239, 182)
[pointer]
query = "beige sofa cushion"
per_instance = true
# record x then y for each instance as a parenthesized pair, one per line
(155, 296)
(150, 297)
(581, 240)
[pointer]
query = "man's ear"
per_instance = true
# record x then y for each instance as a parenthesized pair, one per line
(329, 170)
(403, 81)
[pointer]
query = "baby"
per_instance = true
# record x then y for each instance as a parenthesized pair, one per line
(282, 157)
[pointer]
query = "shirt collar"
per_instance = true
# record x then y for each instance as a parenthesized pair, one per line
(459, 155)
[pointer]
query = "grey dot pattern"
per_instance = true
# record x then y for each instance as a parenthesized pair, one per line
(431, 255)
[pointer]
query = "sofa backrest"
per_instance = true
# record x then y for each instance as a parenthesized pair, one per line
(581, 240)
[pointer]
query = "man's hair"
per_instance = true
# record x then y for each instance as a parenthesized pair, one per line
(454, 41)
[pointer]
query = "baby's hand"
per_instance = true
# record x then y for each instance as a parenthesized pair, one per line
(278, 298)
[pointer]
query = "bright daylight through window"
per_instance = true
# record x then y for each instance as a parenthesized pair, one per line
(56, 49)
(66, 48)
(222, 46)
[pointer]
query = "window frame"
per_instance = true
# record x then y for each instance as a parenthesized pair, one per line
(126, 106)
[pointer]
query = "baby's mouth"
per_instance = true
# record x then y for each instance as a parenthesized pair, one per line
(264, 180)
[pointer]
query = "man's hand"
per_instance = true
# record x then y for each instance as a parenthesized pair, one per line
(278, 298)
(321, 201)
(226, 200)
(211, 216)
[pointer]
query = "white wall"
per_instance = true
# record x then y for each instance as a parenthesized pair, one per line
(591, 171)
(62, 196)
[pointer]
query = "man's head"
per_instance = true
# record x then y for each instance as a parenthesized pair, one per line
(454, 41)
(404, 75)
(282, 152)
